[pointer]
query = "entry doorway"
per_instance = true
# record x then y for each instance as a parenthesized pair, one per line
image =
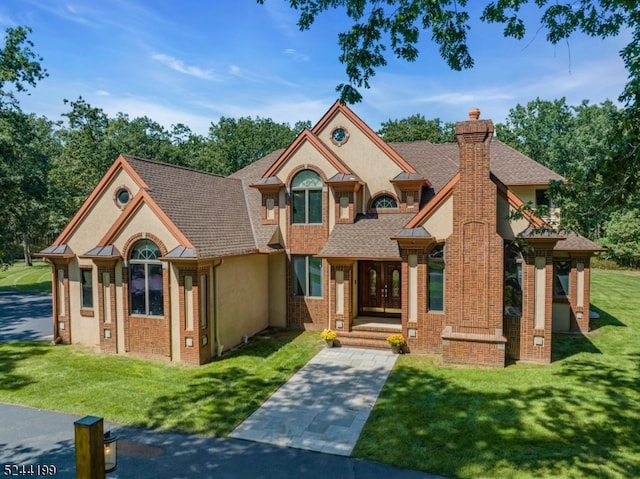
(380, 288)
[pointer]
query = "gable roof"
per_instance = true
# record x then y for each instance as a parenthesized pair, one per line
(440, 162)
(306, 136)
(339, 107)
(210, 210)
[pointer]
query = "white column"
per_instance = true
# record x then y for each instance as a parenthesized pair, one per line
(412, 298)
(540, 292)
(339, 292)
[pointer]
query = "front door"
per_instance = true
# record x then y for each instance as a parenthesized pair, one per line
(380, 288)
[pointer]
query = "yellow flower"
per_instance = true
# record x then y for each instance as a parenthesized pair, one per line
(396, 340)
(328, 335)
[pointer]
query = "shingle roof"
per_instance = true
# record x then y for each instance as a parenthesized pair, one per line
(251, 174)
(439, 163)
(369, 237)
(576, 242)
(210, 210)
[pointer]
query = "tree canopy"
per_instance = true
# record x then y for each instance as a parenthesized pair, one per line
(416, 127)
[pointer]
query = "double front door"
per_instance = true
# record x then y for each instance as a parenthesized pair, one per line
(380, 288)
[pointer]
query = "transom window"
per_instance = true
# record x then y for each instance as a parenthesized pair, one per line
(145, 279)
(384, 201)
(306, 198)
(435, 279)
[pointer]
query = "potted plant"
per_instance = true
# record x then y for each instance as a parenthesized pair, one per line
(396, 341)
(329, 336)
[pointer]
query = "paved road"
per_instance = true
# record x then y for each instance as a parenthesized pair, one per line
(30, 436)
(25, 316)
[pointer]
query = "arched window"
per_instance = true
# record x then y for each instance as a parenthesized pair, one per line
(512, 281)
(435, 279)
(145, 279)
(384, 202)
(306, 198)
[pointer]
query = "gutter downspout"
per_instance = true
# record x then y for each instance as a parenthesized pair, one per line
(216, 327)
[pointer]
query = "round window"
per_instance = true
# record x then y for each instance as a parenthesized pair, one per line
(122, 197)
(339, 136)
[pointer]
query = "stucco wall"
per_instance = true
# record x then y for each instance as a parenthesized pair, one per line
(243, 298)
(440, 223)
(277, 290)
(360, 153)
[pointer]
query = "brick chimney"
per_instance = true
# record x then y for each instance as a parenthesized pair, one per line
(473, 332)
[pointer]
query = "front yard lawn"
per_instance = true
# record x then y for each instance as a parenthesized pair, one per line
(211, 399)
(579, 417)
(19, 277)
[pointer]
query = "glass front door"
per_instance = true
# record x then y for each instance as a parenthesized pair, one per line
(380, 288)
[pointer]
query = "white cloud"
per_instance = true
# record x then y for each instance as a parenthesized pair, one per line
(102, 93)
(181, 67)
(296, 55)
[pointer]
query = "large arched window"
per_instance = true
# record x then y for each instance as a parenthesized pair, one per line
(145, 279)
(435, 279)
(512, 281)
(306, 198)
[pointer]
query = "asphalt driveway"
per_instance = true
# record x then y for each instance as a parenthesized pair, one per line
(25, 316)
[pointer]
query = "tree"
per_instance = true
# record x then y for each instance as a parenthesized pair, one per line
(19, 66)
(19, 69)
(416, 127)
(571, 140)
(623, 237)
(235, 143)
(398, 24)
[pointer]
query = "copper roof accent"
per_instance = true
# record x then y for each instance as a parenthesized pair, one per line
(56, 250)
(180, 252)
(369, 237)
(210, 210)
(108, 251)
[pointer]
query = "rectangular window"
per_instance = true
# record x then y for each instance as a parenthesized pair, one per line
(86, 280)
(137, 287)
(435, 278)
(561, 271)
(298, 206)
(315, 206)
(307, 276)
(156, 306)
(542, 199)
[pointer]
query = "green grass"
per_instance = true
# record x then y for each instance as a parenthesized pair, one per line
(210, 400)
(579, 417)
(19, 277)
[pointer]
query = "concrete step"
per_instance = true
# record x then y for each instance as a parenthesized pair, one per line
(364, 338)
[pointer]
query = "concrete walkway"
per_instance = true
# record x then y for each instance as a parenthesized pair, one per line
(325, 405)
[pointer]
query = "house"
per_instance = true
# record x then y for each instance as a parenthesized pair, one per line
(339, 230)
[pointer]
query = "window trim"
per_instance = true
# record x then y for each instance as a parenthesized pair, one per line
(147, 263)
(566, 294)
(306, 190)
(86, 310)
(513, 254)
(439, 260)
(384, 208)
(307, 274)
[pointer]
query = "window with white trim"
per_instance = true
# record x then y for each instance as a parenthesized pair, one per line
(306, 198)
(146, 294)
(307, 276)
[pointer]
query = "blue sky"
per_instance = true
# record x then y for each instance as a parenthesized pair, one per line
(194, 61)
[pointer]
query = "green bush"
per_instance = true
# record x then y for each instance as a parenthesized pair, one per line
(623, 238)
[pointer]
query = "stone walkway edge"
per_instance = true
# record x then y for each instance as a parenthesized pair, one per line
(325, 405)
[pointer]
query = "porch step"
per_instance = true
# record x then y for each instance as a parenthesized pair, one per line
(368, 338)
